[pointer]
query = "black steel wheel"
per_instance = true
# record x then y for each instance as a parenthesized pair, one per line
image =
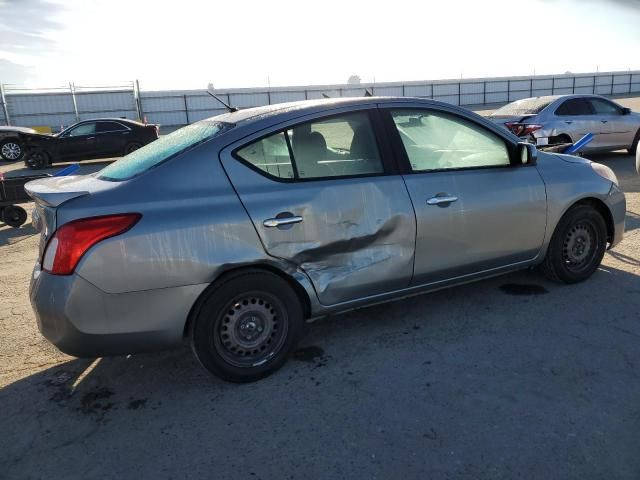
(11, 150)
(14, 216)
(38, 159)
(577, 245)
(245, 326)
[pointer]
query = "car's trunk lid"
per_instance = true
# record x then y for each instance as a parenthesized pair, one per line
(51, 193)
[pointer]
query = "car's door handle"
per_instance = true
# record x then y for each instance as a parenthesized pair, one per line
(568, 122)
(91, 138)
(604, 121)
(281, 221)
(441, 200)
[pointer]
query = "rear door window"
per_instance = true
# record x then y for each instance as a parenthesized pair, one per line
(106, 127)
(574, 107)
(340, 146)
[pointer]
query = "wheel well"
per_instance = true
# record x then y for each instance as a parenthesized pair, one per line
(297, 288)
(559, 138)
(600, 206)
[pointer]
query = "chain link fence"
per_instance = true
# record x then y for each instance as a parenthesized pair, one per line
(63, 105)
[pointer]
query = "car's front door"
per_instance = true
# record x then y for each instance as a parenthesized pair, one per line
(112, 138)
(617, 131)
(476, 209)
(78, 143)
(323, 197)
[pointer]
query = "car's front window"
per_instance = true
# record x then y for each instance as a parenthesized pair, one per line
(436, 140)
(80, 130)
(161, 150)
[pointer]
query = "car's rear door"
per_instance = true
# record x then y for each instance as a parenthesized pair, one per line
(476, 209)
(112, 138)
(576, 118)
(323, 196)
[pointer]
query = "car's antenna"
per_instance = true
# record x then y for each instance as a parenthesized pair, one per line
(226, 105)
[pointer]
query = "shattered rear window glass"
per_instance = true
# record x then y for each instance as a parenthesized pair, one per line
(161, 150)
(527, 106)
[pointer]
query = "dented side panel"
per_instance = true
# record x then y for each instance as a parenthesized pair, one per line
(356, 238)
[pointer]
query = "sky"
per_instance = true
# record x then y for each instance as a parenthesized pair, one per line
(241, 43)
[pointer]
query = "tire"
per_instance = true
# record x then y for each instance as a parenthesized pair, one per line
(634, 145)
(244, 328)
(131, 147)
(38, 159)
(14, 216)
(577, 246)
(11, 150)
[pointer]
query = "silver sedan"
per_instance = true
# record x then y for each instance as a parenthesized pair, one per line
(232, 232)
(567, 118)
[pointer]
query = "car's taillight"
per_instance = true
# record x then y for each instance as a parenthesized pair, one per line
(73, 239)
(522, 129)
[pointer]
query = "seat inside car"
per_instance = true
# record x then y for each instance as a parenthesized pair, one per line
(310, 148)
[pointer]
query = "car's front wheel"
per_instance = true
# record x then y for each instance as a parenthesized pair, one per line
(577, 245)
(11, 150)
(245, 326)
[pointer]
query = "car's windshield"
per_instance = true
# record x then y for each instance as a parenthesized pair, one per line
(526, 106)
(161, 150)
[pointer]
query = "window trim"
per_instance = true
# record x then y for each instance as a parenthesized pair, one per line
(379, 133)
(403, 157)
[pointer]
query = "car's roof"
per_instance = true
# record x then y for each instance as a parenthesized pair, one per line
(553, 98)
(112, 119)
(301, 107)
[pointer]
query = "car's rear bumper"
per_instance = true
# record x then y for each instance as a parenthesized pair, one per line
(84, 321)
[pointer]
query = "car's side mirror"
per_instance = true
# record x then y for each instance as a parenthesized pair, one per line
(527, 153)
(626, 110)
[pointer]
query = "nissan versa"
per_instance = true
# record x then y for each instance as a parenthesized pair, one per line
(233, 231)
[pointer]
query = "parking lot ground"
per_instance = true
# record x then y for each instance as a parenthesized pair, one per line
(512, 377)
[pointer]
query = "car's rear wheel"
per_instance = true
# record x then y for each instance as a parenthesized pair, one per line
(38, 159)
(577, 245)
(14, 216)
(634, 145)
(131, 147)
(11, 150)
(245, 326)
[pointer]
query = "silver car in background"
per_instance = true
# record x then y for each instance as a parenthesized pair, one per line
(567, 118)
(233, 231)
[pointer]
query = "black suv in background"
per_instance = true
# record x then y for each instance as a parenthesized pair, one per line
(89, 139)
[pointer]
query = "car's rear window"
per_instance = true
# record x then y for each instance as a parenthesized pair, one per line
(526, 106)
(161, 150)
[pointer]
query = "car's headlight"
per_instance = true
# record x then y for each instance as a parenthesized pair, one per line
(605, 172)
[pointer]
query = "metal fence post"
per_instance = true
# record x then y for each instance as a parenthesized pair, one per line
(186, 108)
(612, 80)
(4, 105)
(72, 89)
(136, 94)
